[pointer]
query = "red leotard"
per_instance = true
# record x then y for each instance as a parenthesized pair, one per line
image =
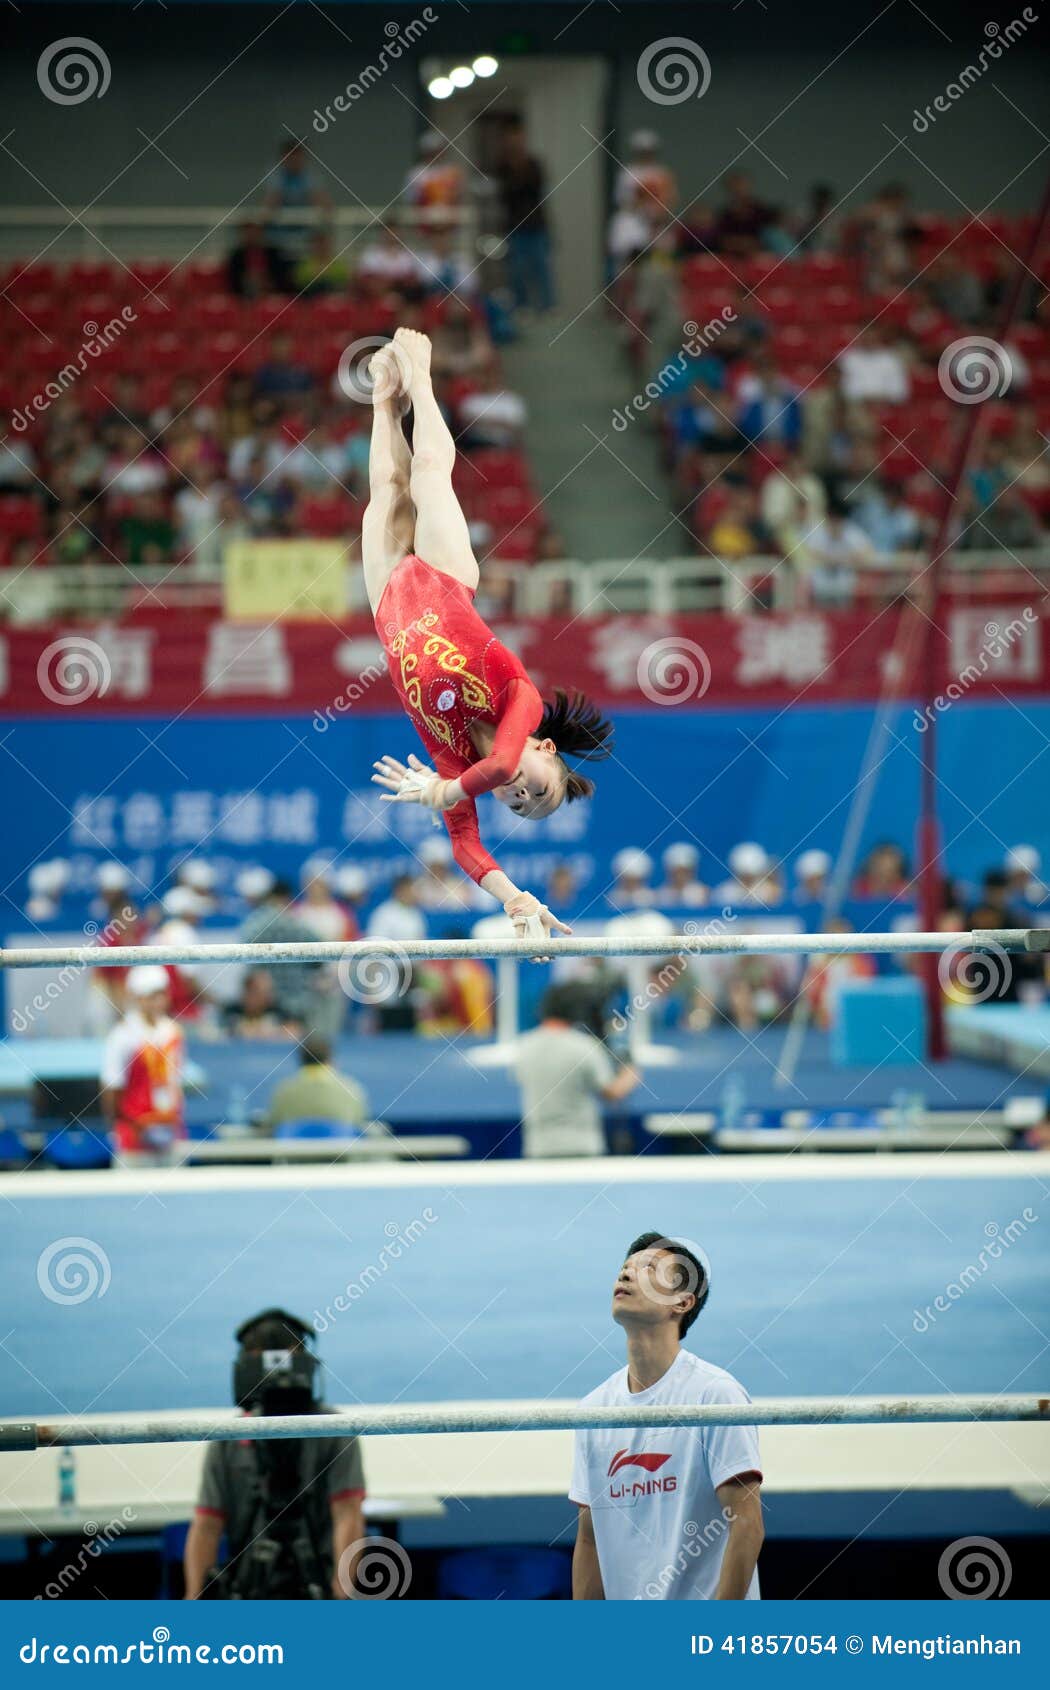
(449, 671)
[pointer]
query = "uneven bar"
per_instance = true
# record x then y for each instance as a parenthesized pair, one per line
(421, 950)
(393, 1422)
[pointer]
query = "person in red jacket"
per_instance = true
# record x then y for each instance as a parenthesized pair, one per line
(142, 1067)
(470, 699)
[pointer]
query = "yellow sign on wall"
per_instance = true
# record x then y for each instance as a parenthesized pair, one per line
(286, 580)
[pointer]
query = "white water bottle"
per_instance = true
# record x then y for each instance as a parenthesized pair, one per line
(67, 1481)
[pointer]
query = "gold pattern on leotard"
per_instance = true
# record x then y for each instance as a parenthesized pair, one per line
(475, 694)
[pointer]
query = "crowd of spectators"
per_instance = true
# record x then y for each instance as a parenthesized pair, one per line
(227, 410)
(804, 411)
(428, 897)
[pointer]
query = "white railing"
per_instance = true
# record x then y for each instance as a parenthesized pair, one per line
(675, 586)
(100, 233)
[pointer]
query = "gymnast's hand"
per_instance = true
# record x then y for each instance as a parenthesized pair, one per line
(533, 920)
(413, 784)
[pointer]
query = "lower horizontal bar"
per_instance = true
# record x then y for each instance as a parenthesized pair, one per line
(385, 1422)
(421, 950)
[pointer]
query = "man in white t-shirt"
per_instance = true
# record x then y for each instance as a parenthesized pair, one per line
(675, 1514)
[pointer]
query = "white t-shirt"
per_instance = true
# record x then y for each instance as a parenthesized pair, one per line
(394, 920)
(658, 1524)
(562, 1073)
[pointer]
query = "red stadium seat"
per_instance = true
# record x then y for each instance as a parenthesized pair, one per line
(21, 517)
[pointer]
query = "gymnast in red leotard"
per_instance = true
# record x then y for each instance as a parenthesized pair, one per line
(470, 700)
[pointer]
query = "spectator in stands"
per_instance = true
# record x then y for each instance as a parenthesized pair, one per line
(440, 889)
(875, 367)
(318, 1092)
(792, 501)
(321, 269)
(739, 224)
(387, 265)
(182, 910)
(1008, 525)
(884, 516)
(1022, 868)
(883, 874)
(1026, 458)
(751, 870)
(884, 232)
(492, 415)
(141, 1073)
(831, 554)
(811, 877)
(199, 508)
(292, 194)
(17, 464)
(564, 1072)
(279, 377)
(46, 883)
(827, 975)
(461, 347)
(768, 412)
(351, 883)
(954, 287)
(133, 467)
(435, 183)
(398, 916)
(200, 877)
(456, 995)
(253, 1015)
(816, 232)
(302, 994)
(777, 236)
(256, 266)
(646, 181)
(254, 886)
(737, 530)
(562, 887)
(682, 885)
(754, 990)
(631, 889)
(316, 907)
(446, 271)
(522, 188)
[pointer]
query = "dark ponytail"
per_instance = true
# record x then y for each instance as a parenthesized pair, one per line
(579, 730)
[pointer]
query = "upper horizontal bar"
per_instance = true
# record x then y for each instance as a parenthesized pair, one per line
(419, 950)
(386, 1422)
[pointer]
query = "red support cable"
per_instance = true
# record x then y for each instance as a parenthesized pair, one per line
(928, 838)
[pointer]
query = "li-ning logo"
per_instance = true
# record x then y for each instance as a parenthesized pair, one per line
(629, 1489)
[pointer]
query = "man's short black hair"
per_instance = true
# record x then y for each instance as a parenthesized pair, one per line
(282, 889)
(315, 1052)
(690, 1272)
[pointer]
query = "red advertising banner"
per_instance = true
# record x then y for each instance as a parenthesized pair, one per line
(171, 664)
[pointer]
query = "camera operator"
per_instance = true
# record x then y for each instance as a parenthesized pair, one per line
(289, 1508)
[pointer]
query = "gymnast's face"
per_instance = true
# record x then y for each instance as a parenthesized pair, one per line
(538, 786)
(646, 1290)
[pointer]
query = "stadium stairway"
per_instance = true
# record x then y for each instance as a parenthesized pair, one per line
(604, 489)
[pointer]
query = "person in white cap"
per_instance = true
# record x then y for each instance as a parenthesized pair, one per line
(182, 911)
(440, 889)
(199, 877)
(317, 909)
(811, 877)
(351, 883)
(47, 882)
(435, 182)
(633, 870)
(751, 870)
(254, 885)
(681, 885)
(1023, 885)
(113, 881)
(142, 1064)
